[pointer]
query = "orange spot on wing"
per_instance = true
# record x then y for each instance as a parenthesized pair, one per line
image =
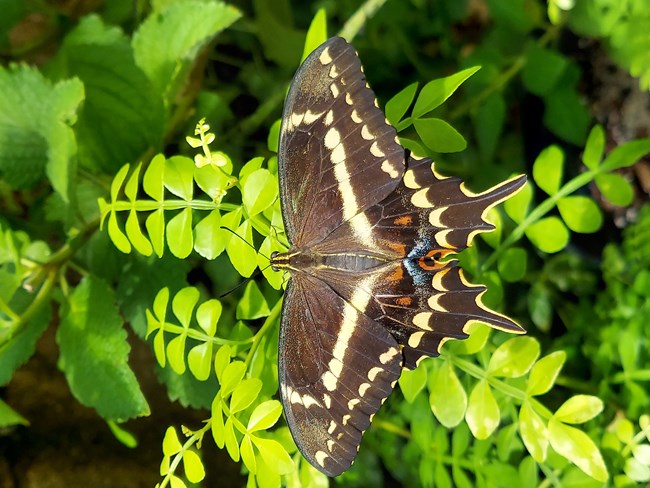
(400, 249)
(431, 261)
(403, 220)
(396, 275)
(404, 301)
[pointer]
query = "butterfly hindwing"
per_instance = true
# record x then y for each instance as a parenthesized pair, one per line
(337, 154)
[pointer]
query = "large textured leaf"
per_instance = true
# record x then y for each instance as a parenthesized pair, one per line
(94, 353)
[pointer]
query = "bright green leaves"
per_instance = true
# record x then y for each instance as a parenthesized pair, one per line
(192, 464)
(544, 373)
(577, 447)
(435, 133)
(633, 448)
(448, 398)
(482, 413)
(200, 356)
(514, 374)
(259, 192)
(36, 115)
(177, 176)
(577, 213)
(94, 353)
(246, 416)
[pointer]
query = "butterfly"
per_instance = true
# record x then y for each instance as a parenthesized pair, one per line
(374, 287)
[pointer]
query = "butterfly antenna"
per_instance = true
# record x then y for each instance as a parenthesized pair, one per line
(248, 243)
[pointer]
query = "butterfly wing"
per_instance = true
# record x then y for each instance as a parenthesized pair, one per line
(338, 368)
(337, 154)
(421, 298)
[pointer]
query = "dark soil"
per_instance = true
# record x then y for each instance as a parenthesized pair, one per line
(69, 445)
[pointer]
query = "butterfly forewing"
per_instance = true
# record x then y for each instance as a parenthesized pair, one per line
(337, 153)
(373, 287)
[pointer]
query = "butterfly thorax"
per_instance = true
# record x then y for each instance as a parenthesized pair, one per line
(306, 260)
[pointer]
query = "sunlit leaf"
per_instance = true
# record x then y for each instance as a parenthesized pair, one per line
(482, 414)
(578, 448)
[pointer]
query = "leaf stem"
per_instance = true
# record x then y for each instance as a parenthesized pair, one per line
(268, 324)
(356, 22)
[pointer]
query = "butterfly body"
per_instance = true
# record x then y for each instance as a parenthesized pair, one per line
(373, 287)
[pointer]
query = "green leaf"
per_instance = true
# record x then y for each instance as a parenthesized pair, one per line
(22, 345)
(214, 182)
(439, 135)
(577, 447)
(626, 154)
(176, 353)
(117, 236)
(259, 192)
(514, 358)
(135, 235)
(209, 239)
(580, 214)
(253, 304)
(199, 360)
(183, 304)
(232, 375)
(179, 177)
(412, 382)
(540, 306)
(517, 206)
(544, 373)
(397, 106)
(265, 415)
(274, 137)
(168, 42)
(36, 116)
(316, 34)
(193, 467)
(152, 181)
(247, 454)
(547, 169)
(94, 353)
(548, 235)
(171, 445)
(579, 409)
(594, 148)
(155, 224)
(616, 189)
(566, 114)
(448, 399)
(482, 414)
(250, 167)
(179, 234)
(207, 315)
(478, 336)
(217, 427)
(232, 446)
(533, 432)
(242, 256)
(512, 264)
(543, 69)
(9, 417)
(244, 394)
(125, 437)
(489, 124)
(434, 93)
(221, 360)
(122, 117)
(274, 455)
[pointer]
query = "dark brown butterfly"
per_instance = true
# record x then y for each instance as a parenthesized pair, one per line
(370, 291)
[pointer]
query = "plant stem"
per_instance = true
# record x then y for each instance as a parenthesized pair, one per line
(268, 324)
(356, 22)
